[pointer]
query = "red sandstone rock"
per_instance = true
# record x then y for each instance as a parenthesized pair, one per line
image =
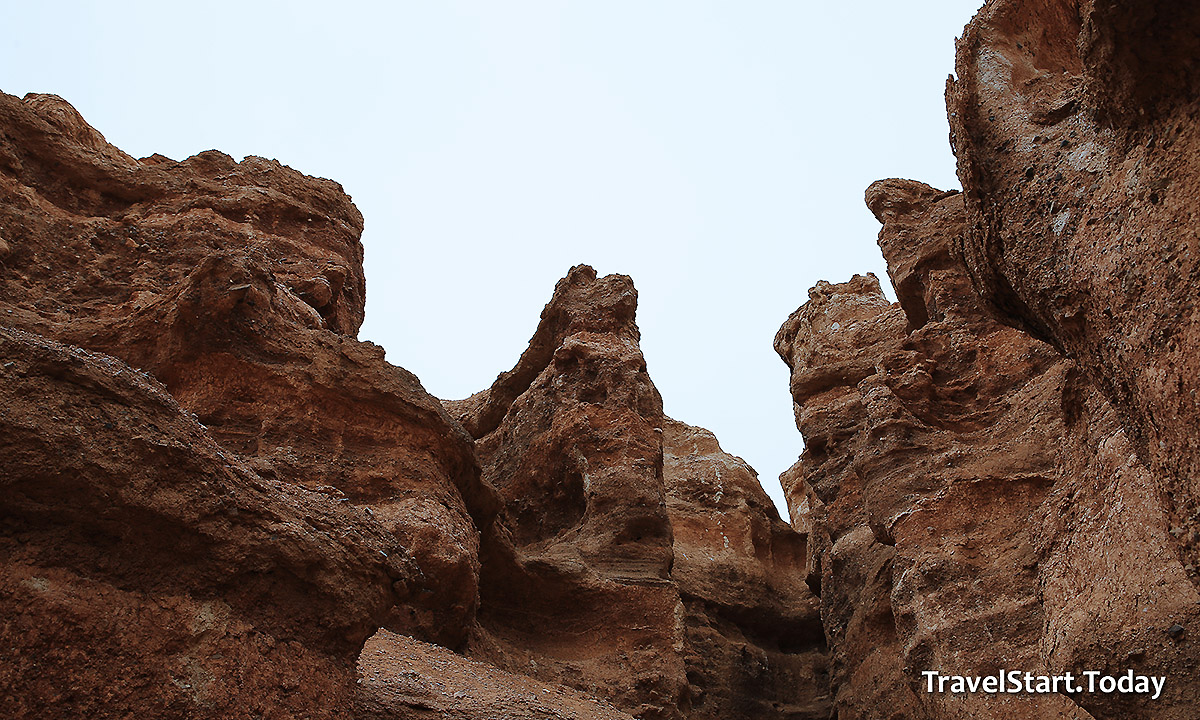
(1000, 470)
(671, 589)
(947, 482)
(637, 560)
(240, 287)
(1075, 127)
(146, 571)
(754, 646)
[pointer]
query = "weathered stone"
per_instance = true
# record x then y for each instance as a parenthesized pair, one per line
(406, 679)
(240, 287)
(636, 559)
(961, 485)
(754, 646)
(1074, 123)
(146, 571)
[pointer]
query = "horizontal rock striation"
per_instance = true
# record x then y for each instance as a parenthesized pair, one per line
(999, 470)
(216, 489)
(240, 287)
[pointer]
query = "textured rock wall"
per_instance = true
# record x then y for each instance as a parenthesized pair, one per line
(999, 470)
(1075, 128)
(166, 550)
(240, 287)
(753, 643)
(635, 559)
(975, 504)
(214, 494)
(147, 571)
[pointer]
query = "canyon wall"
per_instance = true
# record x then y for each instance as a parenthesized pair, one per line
(1076, 135)
(999, 468)
(219, 503)
(974, 503)
(667, 580)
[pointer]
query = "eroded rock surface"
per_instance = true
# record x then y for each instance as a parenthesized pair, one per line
(1074, 123)
(240, 287)
(637, 560)
(963, 480)
(148, 571)
(406, 679)
(215, 494)
(228, 559)
(754, 646)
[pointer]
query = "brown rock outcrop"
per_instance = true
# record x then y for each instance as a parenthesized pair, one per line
(225, 493)
(240, 287)
(963, 481)
(753, 643)
(637, 561)
(571, 440)
(406, 679)
(214, 496)
(1074, 123)
(147, 571)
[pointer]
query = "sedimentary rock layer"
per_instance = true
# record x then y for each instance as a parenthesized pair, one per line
(240, 287)
(216, 489)
(974, 502)
(1074, 123)
(636, 560)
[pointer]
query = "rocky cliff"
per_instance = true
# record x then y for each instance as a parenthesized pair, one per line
(975, 504)
(675, 588)
(218, 503)
(999, 469)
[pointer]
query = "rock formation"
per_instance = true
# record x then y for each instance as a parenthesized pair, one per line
(216, 488)
(999, 470)
(753, 642)
(147, 570)
(1075, 129)
(678, 590)
(240, 287)
(974, 503)
(217, 503)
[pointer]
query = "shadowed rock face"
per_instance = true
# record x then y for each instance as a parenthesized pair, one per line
(572, 440)
(974, 502)
(999, 469)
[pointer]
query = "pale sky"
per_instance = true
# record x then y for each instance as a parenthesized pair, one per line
(717, 152)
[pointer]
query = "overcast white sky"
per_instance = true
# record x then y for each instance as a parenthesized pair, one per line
(717, 152)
